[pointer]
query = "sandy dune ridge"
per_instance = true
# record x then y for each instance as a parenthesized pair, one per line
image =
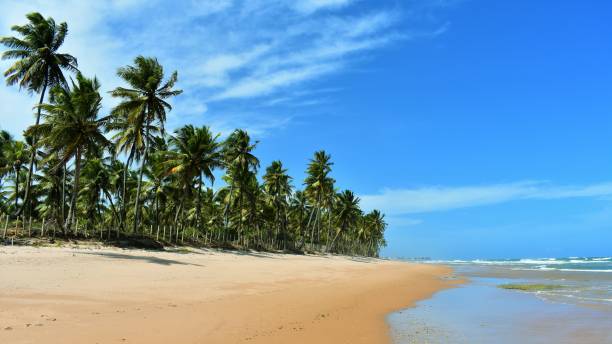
(108, 295)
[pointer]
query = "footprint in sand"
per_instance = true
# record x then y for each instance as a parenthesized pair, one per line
(8, 328)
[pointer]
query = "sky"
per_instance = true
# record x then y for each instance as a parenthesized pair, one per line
(482, 129)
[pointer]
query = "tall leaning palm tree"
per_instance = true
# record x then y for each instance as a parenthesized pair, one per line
(72, 129)
(39, 66)
(144, 103)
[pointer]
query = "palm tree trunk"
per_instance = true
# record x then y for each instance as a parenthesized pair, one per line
(64, 194)
(304, 231)
(142, 165)
(33, 155)
(123, 191)
(334, 241)
(329, 226)
(157, 213)
(17, 189)
(75, 191)
(227, 206)
(240, 216)
(199, 205)
(5, 226)
(110, 200)
(178, 211)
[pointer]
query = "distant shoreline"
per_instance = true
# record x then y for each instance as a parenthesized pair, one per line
(58, 295)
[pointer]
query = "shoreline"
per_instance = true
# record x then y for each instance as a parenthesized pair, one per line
(133, 296)
(484, 310)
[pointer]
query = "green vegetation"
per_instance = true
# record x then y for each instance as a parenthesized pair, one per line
(531, 287)
(80, 173)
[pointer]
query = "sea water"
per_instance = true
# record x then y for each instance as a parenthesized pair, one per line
(579, 311)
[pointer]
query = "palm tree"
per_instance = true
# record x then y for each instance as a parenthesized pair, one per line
(157, 185)
(72, 128)
(277, 184)
(347, 213)
(375, 225)
(97, 175)
(15, 156)
(5, 140)
(39, 65)
(240, 164)
(196, 154)
(50, 185)
(299, 213)
(129, 138)
(319, 188)
(144, 103)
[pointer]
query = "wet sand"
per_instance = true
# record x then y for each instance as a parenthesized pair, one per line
(64, 295)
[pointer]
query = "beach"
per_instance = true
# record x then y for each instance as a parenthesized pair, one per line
(111, 295)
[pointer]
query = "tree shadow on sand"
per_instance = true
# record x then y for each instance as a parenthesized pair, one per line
(148, 259)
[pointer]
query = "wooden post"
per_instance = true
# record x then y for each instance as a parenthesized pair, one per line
(76, 227)
(151, 230)
(42, 228)
(30, 227)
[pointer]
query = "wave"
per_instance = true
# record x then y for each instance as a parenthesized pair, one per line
(578, 264)
(555, 269)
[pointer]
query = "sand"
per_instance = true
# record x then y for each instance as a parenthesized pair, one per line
(68, 295)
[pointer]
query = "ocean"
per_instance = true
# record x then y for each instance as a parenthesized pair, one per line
(577, 310)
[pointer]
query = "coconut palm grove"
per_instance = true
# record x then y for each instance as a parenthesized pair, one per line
(83, 174)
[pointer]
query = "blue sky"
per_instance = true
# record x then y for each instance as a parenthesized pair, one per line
(481, 128)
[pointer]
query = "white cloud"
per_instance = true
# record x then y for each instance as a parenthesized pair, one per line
(214, 72)
(432, 199)
(310, 6)
(401, 221)
(256, 124)
(265, 84)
